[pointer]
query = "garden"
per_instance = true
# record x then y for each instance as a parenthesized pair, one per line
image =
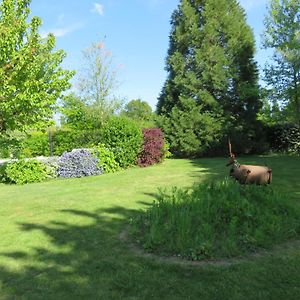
(102, 199)
(61, 238)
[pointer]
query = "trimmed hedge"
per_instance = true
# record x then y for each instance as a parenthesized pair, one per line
(124, 138)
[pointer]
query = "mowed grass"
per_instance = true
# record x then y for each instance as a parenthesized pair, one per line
(60, 240)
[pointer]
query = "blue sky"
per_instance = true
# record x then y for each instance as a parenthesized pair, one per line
(136, 32)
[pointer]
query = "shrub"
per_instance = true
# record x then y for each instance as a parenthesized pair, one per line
(3, 177)
(106, 159)
(220, 219)
(11, 144)
(36, 144)
(284, 138)
(166, 152)
(65, 141)
(78, 163)
(153, 147)
(24, 171)
(124, 138)
(51, 168)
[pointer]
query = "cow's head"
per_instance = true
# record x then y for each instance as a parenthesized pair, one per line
(231, 160)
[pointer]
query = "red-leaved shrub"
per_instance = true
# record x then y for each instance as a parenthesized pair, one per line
(153, 151)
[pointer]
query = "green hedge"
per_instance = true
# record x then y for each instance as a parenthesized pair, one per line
(62, 140)
(125, 139)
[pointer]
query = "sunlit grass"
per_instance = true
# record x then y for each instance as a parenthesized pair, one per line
(60, 239)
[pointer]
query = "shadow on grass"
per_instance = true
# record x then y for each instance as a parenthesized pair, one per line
(79, 262)
(209, 169)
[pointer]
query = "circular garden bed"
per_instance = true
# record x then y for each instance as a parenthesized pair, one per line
(215, 221)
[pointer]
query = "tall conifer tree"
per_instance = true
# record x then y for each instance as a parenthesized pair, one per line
(210, 61)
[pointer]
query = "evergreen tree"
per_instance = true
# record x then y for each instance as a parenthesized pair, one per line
(210, 61)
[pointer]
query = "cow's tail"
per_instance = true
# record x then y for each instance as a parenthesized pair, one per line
(270, 176)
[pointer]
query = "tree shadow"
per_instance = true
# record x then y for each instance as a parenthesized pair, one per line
(210, 169)
(79, 262)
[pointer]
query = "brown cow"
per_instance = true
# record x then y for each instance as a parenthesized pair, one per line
(249, 174)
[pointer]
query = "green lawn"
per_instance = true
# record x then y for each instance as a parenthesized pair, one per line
(60, 240)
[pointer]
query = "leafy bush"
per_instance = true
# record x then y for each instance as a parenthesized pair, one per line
(124, 138)
(66, 140)
(153, 147)
(3, 177)
(220, 219)
(78, 163)
(284, 138)
(106, 159)
(24, 171)
(11, 144)
(36, 144)
(51, 168)
(166, 150)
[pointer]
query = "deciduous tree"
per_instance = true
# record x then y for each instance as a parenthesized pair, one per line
(31, 78)
(138, 110)
(94, 101)
(282, 73)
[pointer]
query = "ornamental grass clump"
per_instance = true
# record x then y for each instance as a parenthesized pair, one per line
(216, 220)
(78, 163)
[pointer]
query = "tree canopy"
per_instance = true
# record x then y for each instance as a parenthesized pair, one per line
(282, 74)
(31, 79)
(94, 101)
(138, 110)
(210, 58)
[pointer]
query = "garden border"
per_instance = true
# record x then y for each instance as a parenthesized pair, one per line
(138, 251)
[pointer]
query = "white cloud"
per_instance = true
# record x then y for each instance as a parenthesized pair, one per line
(98, 8)
(62, 31)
